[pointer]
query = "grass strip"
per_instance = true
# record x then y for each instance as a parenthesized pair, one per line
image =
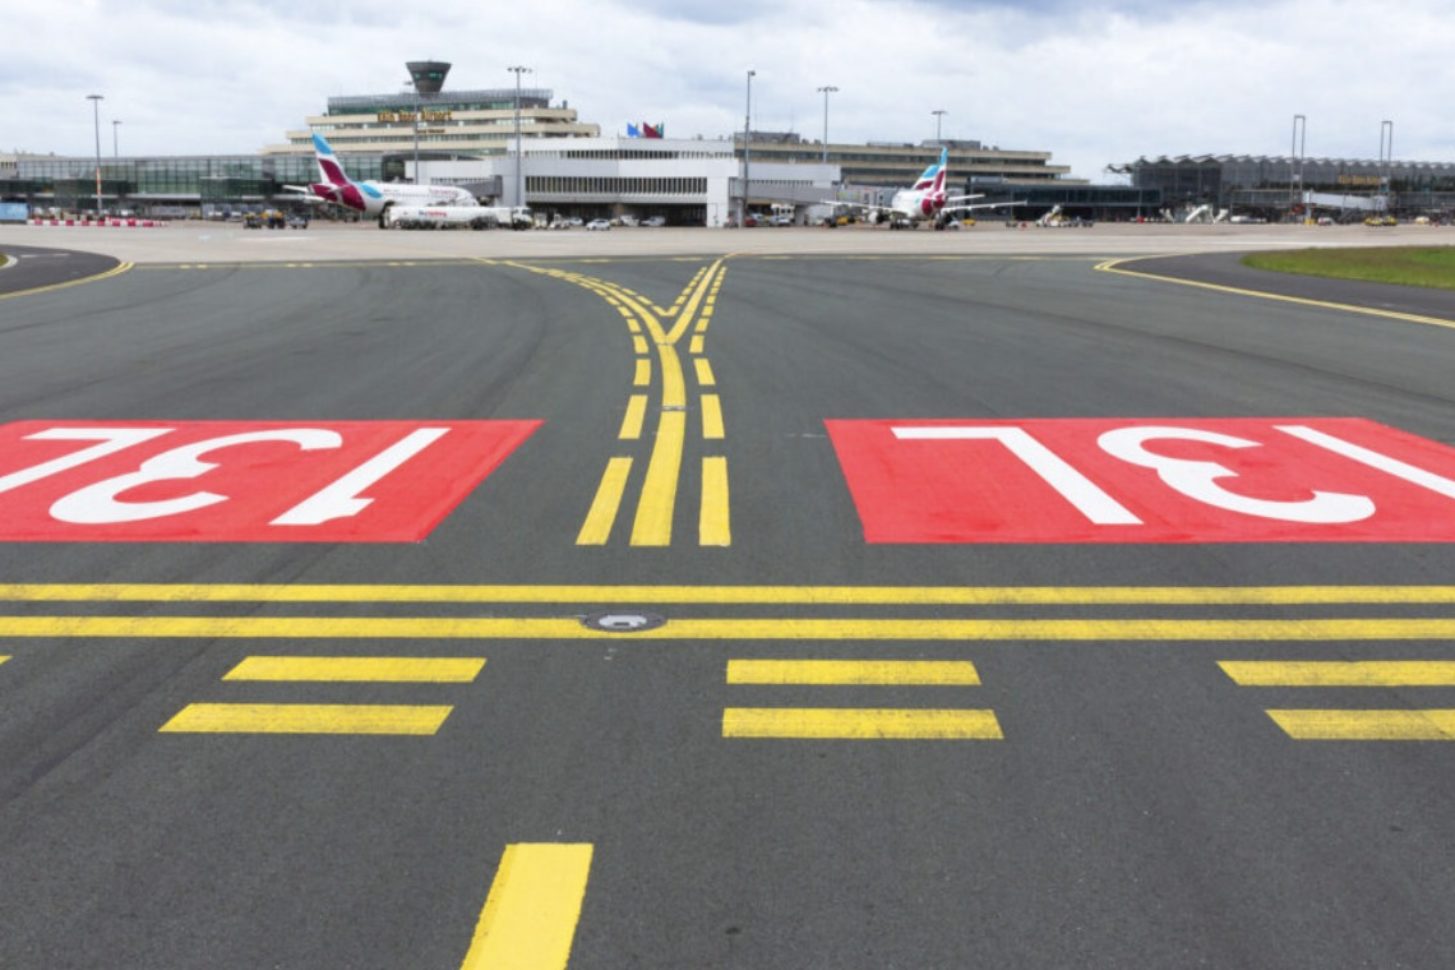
(1407, 266)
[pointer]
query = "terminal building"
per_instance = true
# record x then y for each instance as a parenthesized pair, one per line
(1274, 187)
(433, 121)
(565, 165)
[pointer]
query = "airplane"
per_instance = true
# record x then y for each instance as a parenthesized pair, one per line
(371, 198)
(925, 201)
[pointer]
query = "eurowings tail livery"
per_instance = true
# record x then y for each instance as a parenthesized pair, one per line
(925, 201)
(372, 198)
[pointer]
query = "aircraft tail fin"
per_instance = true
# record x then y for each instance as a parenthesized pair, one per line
(928, 177)
(328, 163)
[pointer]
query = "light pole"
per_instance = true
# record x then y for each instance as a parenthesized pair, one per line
(519, 172)
(939, 114)
(747, 155)
(95, 100)
(1386, 155)
(826, 91)
(1295, 152)
(418, 112)
(115, 152)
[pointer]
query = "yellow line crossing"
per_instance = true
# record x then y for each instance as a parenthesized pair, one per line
(657, 503)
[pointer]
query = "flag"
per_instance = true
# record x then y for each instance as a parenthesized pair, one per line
(632, 131)
(650, 132)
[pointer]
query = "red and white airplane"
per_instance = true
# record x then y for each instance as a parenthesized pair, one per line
(925, 201)
(372, 198)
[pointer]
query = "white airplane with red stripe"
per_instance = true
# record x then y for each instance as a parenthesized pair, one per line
(370, 198)
(925, 201)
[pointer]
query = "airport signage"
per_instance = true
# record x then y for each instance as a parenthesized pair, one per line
(391, 117)
(1133, 480)
(242, 481)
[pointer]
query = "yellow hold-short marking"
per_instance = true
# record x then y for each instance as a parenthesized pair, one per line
(860, 724)
(307, 719)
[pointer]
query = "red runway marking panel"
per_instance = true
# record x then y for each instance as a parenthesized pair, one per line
(1146, 480)
(242, 481)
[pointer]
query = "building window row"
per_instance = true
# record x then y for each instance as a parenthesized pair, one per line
(583, 185)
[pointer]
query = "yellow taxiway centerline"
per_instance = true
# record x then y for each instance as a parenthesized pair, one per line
(653, 523)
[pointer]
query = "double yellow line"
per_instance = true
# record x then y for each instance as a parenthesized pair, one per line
(664, 328)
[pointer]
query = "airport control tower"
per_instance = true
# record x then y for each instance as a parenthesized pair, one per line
(428, 76)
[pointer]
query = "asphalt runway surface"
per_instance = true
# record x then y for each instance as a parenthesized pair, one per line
(34, 267)
(244, 719)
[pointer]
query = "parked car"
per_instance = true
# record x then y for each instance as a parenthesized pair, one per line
(655, 222)
(598, 224)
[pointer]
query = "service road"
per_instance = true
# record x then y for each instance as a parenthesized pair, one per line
(954, 612)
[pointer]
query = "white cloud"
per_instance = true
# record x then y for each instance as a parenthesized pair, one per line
(1091, 83)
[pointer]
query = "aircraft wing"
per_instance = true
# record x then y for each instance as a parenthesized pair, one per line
(980, 205)
(307, 194)
(859, 205)
(964, 198)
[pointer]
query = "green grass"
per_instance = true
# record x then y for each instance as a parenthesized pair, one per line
(1409, 266)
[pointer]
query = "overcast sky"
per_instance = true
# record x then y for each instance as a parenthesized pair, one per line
(1092, 82)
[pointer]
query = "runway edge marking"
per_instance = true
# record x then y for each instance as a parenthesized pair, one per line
(116, 270)
(1115, 266)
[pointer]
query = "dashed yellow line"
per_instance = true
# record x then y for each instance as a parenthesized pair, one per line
(530, 916)
(1340, 673)
(308, 719)
(643, 375)
(1368, 725)
(860, 724)
(394, 670)
(712, 427)
(631, 422)
(705, 376)
(714, 527)
(926, 673)
(602, 515)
